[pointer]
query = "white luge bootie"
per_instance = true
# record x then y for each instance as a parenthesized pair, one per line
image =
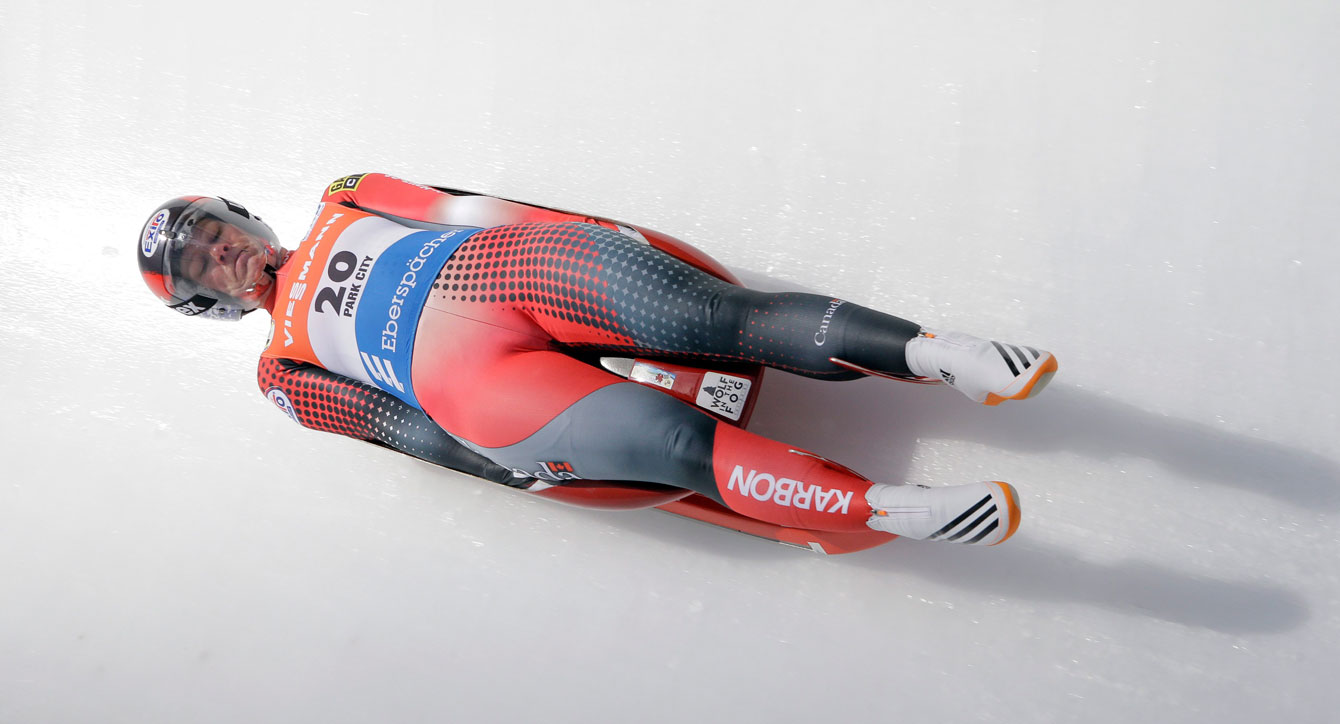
(977, 513)
(984, 370)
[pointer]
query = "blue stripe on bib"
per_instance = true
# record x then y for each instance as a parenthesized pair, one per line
(393, 300)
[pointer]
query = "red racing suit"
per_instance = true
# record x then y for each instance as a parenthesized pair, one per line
(408, 318)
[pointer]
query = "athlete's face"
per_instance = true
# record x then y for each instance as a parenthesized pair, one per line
(227, 259)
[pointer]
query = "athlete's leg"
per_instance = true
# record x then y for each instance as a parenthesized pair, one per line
(630, 432)
(587, 286)
(492, 379)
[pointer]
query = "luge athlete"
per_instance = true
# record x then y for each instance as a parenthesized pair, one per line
(409, 317)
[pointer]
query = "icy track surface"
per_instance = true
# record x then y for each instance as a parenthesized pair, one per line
(1150, 189)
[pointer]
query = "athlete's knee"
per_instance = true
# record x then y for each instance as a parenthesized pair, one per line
(731, 306)
(688, 442)
(676, 440)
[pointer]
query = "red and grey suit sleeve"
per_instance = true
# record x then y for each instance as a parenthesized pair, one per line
(407, 202)
(322, 400)
(388, 195)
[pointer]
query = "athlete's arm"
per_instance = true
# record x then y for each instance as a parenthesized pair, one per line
(322, 400)
(390, 196)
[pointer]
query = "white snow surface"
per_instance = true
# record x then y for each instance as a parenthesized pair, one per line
(1150, 189)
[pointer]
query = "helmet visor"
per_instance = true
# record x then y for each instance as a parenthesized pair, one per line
(218, 253)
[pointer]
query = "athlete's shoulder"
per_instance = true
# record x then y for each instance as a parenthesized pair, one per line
(345, 185)
(348, 188)
(386, 194)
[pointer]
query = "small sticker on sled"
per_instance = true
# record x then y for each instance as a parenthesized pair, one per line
(649, 375)
(724, 394)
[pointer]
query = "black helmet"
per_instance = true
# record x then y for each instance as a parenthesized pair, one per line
(207, 256)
